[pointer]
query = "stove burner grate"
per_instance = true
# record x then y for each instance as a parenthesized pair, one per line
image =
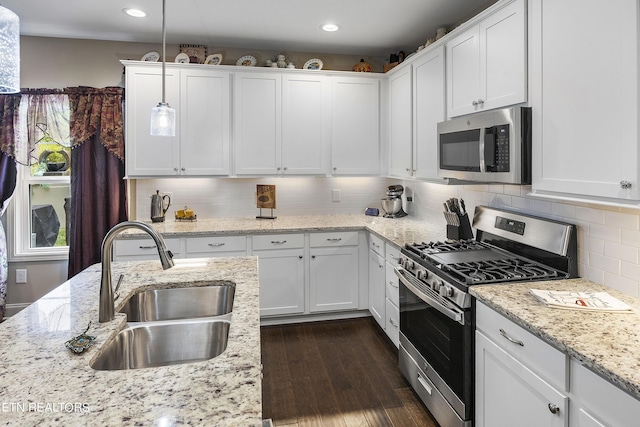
(502, 270)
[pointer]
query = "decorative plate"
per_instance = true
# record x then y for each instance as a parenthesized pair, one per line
(152, 56)
(182, 58)
(215, 59)
(313, 64)
(247, 61)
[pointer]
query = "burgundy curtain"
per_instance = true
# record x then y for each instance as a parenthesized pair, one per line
(8, 172)
(98, 190)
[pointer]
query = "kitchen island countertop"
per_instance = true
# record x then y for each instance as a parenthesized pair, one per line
(44, 384)
(606, 343)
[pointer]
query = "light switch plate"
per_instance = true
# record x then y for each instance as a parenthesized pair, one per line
(21, 275)
(335, 195)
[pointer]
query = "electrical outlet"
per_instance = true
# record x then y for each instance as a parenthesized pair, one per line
(335, 195)
(21, 275)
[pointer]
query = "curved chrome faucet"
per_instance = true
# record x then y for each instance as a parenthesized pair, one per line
(107, 311)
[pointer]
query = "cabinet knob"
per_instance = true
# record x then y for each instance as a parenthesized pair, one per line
(285, 168)
(300, 256)
(474, 103)
(554, 409)
(625, 185)
(408, 169)
(175, 170)
(182, 169)
(334, 168)
(313, 257)
(480, 101)
(278, 168)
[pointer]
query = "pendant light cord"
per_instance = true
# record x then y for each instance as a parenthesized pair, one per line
(164, 50)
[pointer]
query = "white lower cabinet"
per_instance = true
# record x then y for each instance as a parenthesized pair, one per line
(216, 246)
(333, 280)
(392, 293)
(377, 275)
(520, 380)
(281, 273)
(595, 402)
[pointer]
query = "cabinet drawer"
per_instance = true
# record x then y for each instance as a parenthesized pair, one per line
(392, 284)
(348, 238)
(137, 247)
(392, 254)
(278, 241)
(524, 346)
(393, 322)
(216, 244)
(376, 244)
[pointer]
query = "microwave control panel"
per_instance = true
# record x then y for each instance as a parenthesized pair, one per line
(496, 148)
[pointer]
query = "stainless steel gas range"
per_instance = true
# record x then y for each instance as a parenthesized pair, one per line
(437, 312)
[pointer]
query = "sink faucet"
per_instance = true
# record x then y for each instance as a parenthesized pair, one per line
(107, 311)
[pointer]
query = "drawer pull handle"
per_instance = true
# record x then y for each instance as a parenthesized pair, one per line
(393, 285)
(147, 247)
(376, 245)
(393, 256)
(553, 408)
(424, 384)
(394, 324)
(216, 245)
(335, 239)
(504, 334)
(278, 242)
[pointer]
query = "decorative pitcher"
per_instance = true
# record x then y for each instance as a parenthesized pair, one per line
(157, 206)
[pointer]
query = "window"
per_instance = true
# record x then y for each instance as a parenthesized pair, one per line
(42, 196)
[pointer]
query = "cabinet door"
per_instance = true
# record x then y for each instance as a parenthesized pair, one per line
(148, 155)
(257, 123)
(355, 120)
(333, 279)
(400, 124)
(584, 94)
(463, 73)
(428, 111)
(305, 124)
(503, 60)
(204, 135)
(281, 275)
(509, 394)
(377, 297)
(392, 322)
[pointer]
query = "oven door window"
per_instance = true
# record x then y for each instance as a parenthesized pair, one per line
(460, 151)
(444, 343)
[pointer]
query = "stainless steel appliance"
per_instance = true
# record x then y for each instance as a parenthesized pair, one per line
(492, 146)
(392, 204)
(437, 312)
(157, 206)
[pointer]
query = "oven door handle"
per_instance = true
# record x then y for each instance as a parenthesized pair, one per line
(456, 315)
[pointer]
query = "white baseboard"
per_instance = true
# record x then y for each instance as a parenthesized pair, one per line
(301, 318)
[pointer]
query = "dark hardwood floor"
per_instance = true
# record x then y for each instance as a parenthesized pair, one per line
(336, 373)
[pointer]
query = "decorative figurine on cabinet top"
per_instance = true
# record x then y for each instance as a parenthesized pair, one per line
(362, 67)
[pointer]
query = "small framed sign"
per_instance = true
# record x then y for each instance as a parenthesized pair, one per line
(266, 199)
(197, 53)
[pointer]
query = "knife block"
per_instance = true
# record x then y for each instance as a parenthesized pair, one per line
(462, 231)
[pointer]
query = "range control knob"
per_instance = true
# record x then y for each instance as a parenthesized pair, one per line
(421, 274)
(446, 291)
(436, 285)
(408, 264)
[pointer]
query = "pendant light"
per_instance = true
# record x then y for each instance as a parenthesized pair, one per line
(163, 117)
(9, 51)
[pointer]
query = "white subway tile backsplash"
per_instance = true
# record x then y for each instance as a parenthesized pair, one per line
(604, 232)
(594, 216)
(621, 252)
(630, 270)
(622, 220)
(605, 263)
(564, 211)
(622, 284)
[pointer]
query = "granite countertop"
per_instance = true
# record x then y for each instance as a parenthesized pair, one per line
(396, 230)
(606, 343)
(44, 384)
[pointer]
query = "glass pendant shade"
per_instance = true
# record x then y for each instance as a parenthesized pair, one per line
(163, 120)
(9, 51)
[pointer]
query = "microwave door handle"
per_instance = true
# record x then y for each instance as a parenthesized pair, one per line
(451, 314)
(483, 165)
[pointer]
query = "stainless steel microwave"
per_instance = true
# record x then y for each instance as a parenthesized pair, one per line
(492, 146)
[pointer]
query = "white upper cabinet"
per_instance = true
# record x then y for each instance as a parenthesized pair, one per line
(257, 123)
(305, 131)
(487, 64)
(584, 94)
(428, 111)
(201, 100)
(355, 135)
(204, 122)
(401, 124)
(148, 155)
(281, 124)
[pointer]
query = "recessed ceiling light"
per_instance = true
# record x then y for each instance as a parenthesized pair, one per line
(330, 27)
(136, 13)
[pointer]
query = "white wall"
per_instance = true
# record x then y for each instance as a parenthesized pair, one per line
(608, 237)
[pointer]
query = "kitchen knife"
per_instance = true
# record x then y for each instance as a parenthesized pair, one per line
(463, 207)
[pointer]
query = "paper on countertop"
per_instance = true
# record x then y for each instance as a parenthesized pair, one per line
(585, 301)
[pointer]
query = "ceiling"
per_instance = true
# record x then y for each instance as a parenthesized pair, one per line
(368, 27)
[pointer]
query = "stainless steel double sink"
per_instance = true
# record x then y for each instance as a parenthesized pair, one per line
(171, 326)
